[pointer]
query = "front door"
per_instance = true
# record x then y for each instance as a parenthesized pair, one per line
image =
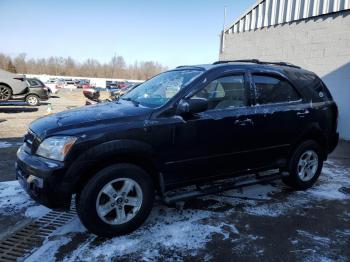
(217, 140)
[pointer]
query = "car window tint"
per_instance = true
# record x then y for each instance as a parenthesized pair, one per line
(273, 90)
(34, 82)
(224, 92)
(315, 87)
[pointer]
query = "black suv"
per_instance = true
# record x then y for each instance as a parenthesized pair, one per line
(183, 128)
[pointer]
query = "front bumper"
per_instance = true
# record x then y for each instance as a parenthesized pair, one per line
(42, 179)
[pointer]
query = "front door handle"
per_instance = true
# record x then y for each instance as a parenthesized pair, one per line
(303, 113)
(244, 122)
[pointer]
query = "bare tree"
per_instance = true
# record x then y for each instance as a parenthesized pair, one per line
(116, 68)
(20, 63)
(11, 67)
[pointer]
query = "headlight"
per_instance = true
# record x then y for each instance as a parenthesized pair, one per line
(56, 147)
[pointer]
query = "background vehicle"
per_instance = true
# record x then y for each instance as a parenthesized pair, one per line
(11, 84)
(36, 93)
(69, 83)
(191, 126)
(52, 85)
(83, 84)
(93, 94)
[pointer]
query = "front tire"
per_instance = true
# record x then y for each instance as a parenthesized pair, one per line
(33, 100)
(5, 93)
(116, 201)
(305, 165)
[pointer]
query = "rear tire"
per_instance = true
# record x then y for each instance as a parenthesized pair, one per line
(116, 201)
(305, 165)
(33, 100)
(5, 93)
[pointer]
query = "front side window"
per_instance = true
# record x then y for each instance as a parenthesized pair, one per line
(161, 88)
(271, 89)
(224, 92)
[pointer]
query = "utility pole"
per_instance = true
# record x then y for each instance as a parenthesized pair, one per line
(223, 31)
(114, 62)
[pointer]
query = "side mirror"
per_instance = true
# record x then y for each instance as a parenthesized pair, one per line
(192, 106)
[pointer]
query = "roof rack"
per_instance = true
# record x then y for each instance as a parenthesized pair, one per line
(184, 66)
(255, 61)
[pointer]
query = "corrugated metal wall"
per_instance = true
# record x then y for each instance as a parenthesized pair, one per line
(272, 12)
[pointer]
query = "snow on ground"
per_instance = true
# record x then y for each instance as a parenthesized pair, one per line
(184, 233)
(13, 200)
(328, 186)
(5, 144)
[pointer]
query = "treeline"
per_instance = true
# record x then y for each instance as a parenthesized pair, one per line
(115, 68)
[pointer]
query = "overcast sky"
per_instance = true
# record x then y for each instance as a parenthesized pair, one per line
(171, 32)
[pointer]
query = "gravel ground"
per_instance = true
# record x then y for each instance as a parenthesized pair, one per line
(15, 116)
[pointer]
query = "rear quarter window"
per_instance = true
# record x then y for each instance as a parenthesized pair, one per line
(313, 86)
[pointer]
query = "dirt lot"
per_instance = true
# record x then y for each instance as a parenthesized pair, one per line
(260, 223)
(15, 116)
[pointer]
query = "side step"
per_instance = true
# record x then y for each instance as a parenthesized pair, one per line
(224, 186)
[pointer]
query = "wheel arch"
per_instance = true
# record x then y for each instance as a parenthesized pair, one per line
(313, 133)
(98, 157)
(4, 84)
(32, 94)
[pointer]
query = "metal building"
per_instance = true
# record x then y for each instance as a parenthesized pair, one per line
(314, 34)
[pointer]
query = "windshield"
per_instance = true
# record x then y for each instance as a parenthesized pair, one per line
(161, 88)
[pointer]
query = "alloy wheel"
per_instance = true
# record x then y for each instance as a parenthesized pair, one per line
(5, 93)
(32, 100)
(307, 165)
(119, 201)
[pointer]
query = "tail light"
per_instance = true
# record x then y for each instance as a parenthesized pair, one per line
(19, 78)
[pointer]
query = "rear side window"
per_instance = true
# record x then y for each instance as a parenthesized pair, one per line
(34, 82)
(271, 90)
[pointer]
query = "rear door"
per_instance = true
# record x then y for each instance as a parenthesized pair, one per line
(278, 119)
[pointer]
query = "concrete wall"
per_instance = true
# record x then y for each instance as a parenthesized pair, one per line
(320, 44)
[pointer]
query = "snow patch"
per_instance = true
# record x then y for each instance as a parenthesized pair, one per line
(331, 180)
(166, 229)
(13, 198)
(36, 211)
(5, 144)
(51, 248)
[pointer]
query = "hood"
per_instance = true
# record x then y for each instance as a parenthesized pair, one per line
(88, 116)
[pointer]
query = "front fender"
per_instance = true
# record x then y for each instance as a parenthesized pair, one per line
(106, 152)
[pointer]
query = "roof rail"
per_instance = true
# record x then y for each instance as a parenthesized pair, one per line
(185, 66)
(255, 61)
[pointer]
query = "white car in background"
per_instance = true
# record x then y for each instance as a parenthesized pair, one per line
(53, 86)
(69, 83)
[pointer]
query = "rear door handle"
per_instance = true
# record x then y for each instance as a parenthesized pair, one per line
(244, 122)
